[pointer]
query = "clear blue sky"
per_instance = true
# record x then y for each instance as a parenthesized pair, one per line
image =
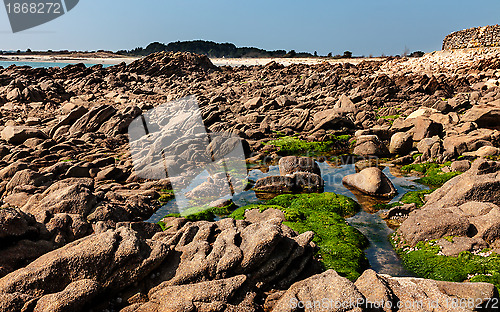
(361, 26)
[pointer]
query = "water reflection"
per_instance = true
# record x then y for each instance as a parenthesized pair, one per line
(383, 259)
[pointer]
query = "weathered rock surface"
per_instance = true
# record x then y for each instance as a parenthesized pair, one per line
(370, 145)
(401, 143)
(480, 183)
(299, 182)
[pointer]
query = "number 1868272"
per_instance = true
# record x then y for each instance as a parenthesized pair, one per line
(34, 8)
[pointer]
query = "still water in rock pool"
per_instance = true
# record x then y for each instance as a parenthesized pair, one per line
(383, 259)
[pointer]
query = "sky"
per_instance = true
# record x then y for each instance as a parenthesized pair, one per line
(365, 27)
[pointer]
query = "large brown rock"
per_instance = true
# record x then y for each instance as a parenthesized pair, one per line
(72, 195)
(330, 119)
(299, 182)
(425, 128)
(18, 134)
(72, 298)
(309, 294)
(204, 296)
(401, 143)
(421, 295)
(370, 145)
(457, 144)
(291, 164)
(113, 259)
(376, 290)
(480, 183)
(92, 120)
(431, 223)
(371, 181)
(484, 115)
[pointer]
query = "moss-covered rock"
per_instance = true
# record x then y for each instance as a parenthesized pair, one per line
(292, 145)
(166, 195)
(427, 261)
(340, 245)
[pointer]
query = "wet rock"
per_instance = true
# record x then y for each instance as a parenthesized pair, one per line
(291, 164)
(399, 211)
(371, 181)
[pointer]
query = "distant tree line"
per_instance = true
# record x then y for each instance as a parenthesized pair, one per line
(211, 49)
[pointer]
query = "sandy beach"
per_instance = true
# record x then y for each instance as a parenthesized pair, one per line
(286, 61)
(68, 59)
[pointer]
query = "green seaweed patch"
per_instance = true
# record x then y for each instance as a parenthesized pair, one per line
(438, 179)
(289, 145)
(331, 202)
(422, 168)
(206, 213)
(166, 196)
(417, 197)
(433, 174)
(427, 261)
(239, 214)
(340, 245)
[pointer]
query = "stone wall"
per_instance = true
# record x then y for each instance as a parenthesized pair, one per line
(487, 36)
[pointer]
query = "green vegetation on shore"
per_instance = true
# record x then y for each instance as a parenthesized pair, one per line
(340, 245)
(211, 49)
(426, 261)
(290, 145)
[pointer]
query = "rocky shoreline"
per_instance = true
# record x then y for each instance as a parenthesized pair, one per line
(73, 235)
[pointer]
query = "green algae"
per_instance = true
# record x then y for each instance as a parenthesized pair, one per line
(290, 145)
(426, 261)
(340, 245)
